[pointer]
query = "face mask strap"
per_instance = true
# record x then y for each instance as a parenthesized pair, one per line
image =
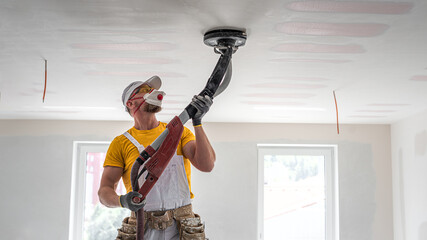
(138, 107)
(139, 104)
(136, 98)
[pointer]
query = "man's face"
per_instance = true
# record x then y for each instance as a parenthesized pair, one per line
(138, 97)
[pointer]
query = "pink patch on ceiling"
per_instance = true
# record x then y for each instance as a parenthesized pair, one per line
(279, 95)
(377, 111)
(351, 7)
(288, 86)
(388, 104)
(138, 74)
(307, 60)
(156, 46)
(308, 79)
(274, 103)
(366, 116)
(420, 78)
(332, 29)
(127, 60)
(121, 31)
(318, 48)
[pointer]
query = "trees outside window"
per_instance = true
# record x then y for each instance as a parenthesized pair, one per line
(89, 219)
(298, 192)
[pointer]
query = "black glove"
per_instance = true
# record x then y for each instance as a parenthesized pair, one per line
(202, 104)
(126, 201)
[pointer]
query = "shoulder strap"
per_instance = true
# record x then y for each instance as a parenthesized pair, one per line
(134, 141)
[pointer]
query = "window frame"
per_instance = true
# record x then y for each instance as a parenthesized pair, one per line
(78, 184)
(331, 177)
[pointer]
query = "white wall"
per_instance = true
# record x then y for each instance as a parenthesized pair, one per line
(36, 159)
(409, 163)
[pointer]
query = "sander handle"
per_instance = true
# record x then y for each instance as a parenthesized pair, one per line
(219, 79)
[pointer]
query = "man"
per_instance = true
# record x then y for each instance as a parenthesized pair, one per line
(168, 204)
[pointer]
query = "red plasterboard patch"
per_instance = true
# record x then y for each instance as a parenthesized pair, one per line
(309, 60)
(304, 79)
(126, 46)
(318, 48)
(137, 74)
(421, 78)
(351, 7)
(332, 29)
(279, 95)
(274, 103)
(288, 86)
(127, 60)
(388, 104)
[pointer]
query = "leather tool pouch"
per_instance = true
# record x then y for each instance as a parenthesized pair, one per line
(160, 220)
(128, 229)
(192, 229)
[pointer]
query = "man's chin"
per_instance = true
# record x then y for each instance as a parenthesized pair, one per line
(150, 108)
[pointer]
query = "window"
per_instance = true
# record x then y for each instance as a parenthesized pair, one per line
(298, 192)
(89, 219)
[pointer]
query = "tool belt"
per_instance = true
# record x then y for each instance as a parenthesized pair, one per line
(160, 220)
(189, 224)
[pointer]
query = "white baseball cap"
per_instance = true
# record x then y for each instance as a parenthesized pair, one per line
(154, 82)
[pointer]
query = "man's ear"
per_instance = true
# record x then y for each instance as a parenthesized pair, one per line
(129, 104)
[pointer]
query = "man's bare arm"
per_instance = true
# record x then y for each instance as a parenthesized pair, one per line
(107, 189)
(200, 152)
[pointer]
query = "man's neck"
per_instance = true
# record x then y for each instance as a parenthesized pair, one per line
(145, 121)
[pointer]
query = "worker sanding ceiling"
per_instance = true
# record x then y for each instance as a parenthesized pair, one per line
(78, 56)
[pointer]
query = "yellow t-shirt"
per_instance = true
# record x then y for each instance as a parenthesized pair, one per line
(122, 153)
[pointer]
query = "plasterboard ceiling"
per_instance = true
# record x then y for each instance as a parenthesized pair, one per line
(373, 54)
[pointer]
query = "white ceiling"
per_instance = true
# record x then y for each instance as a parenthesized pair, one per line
(373, 54)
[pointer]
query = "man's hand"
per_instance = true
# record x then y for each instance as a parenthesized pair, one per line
(202, 104)
(126, 201)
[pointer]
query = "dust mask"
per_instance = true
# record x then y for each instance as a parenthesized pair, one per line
(154, 97)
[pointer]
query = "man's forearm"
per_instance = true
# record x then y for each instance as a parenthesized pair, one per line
(204, 154)
(109, 197)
